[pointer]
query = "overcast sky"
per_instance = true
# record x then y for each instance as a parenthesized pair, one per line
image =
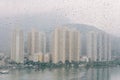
(104, 14)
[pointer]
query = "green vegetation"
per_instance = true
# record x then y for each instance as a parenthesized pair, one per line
(41, 65)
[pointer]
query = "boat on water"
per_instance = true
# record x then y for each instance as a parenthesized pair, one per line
(4, 71)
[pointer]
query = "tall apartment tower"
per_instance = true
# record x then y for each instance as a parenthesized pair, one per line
(65, 45)
(36, 42)
(74, 46)
(17, 46)
(98, 46)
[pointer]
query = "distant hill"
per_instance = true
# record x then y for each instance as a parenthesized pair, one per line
(83, 27)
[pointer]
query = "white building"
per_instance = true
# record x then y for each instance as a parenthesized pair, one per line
(98, 46)
(36, 42)
(74, 45)
(37, 57)
(84, 59)
(65, 45)
(17, 46)
(47, 57)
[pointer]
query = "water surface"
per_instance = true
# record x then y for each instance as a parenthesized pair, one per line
(64, 74)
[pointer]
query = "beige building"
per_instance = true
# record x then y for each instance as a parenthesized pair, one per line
(98, 46)
(36, 42)
(17, 46)
(47, 57)
(37, 57)
(74, 46)
(65, 45)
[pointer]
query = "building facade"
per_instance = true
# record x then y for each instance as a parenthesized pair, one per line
(65, 45)
(36, 42)
(17, 46)
(37, 57)
(46, 57)
(98, 46)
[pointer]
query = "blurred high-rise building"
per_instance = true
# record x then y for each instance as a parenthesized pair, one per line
(74, 45)
(65, 45)
(17, 46)
(98, 46)
(37, 57)
(36, 42)
(46, 57)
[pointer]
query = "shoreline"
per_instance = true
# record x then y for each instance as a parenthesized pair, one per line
(60, 65)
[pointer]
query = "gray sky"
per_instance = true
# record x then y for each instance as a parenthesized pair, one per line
(104, 14)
